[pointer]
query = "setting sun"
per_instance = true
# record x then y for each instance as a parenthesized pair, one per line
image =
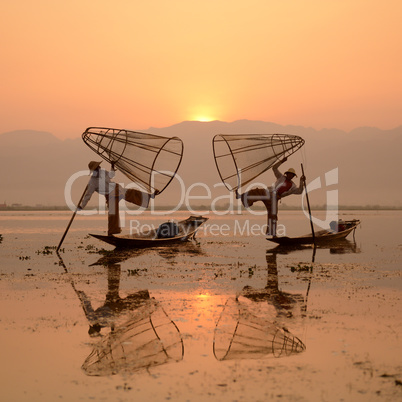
(204, 111)
(203, 118)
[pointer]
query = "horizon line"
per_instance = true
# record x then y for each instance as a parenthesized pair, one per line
(209, 123)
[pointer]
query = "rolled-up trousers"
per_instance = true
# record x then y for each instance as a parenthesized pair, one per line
(112, 200)
(269, 199)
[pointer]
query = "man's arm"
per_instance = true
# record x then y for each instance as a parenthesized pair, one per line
(277, 173)
(299, 190)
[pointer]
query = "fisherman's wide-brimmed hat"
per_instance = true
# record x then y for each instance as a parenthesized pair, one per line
(291, 170)
(93, 165)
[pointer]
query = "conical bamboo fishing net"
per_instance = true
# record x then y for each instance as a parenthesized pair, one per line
(148, 160)
(150, 338)
(240, 158)
(241, 335)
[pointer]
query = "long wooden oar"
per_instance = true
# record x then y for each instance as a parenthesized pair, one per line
(308, 205)
(71, 220)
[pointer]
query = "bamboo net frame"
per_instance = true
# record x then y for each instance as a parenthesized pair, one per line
(149, 160)
(240, 158)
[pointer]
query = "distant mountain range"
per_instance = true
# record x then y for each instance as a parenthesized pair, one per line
(36, 165)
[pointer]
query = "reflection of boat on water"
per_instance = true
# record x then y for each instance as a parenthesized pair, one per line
(339, 246)
(185, 230)
(240, 333)
(119, 255)
(321, 237)
(149, 338)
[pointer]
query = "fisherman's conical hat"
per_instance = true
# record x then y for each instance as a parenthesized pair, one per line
(93, 165)
(291, 170)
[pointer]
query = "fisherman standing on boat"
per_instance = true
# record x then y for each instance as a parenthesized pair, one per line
(101, 183)
(283, 187)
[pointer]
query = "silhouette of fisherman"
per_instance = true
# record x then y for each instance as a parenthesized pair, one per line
(101, 183)
(283, 187)
(283, 302)
(113, 306)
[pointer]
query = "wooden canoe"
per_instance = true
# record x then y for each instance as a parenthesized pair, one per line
(187, 231)
(321, 237)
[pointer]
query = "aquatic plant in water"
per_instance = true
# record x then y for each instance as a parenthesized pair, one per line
(48, 250)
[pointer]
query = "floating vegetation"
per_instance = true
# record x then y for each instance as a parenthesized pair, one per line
(301, 267)
(249, 272)
(136, 272)
(24, 257)
(1, 238)
(91, 249)
(219, 274)
(48, 250)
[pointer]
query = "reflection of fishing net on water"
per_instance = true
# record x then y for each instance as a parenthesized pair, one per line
(241, 158)
(150, 338)
(242, 335)
(149, 160)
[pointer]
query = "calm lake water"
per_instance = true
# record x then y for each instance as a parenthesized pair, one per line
(229, 317)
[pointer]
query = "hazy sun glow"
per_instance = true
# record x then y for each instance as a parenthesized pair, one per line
(203, 118)
(62, 80)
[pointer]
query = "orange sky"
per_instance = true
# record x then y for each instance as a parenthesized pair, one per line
(67, 65)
